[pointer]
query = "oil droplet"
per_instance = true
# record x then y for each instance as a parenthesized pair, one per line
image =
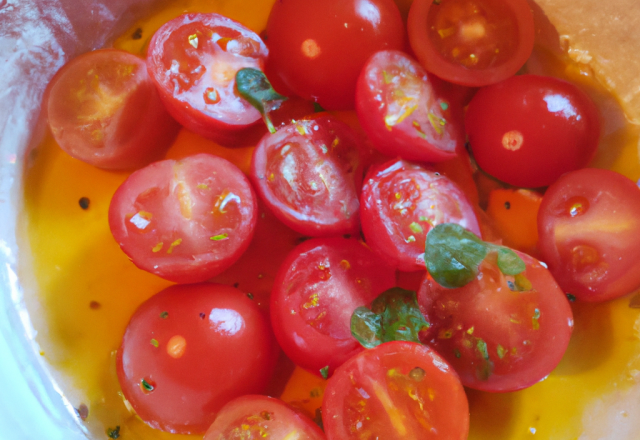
(176, 346)
(577, 206)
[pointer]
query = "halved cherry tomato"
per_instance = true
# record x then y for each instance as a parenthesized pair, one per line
(189, 350)
(499, 333)
(529, 129)
(316, 291)
(193, 59)
(401, 202)
(318, 48)
(309, 174)
(397, 390)
(185, 221)
(259, 417)
(402, 112)
(589, 227)
(104, 109)
(471, 42)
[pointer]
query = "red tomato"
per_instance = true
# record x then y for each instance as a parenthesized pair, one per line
(402, 112)
(589, 228)
(185, 221)
(401, 202)
(189, 350)
(193, 59)
(471, 42)
(398, 390)
(257, 417)
(529, 130)
(317, 288)
(319, 48)
(104, 110)
(309, 174)
(499, 333)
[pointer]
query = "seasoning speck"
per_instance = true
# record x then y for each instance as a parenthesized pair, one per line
(324, 372)
(113, 433)
(507, 205)
(202, 315)
(84, 202)
(82, 411)
(94, 305)
(572, 298)
(164, 315)
(137, 34)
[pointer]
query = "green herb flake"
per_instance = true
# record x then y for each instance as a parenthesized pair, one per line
(394, 316)
(501, 351)
(154, 342)
(571, 297)
(164, 315)
(456, 352)
(317, 108)
(253, 85)
(444, 106)
(220, 237)
(113, 433)
(509, 262)
(482, 348)
(416, 228)
(534, 320)
(146, 386)
(324, 372)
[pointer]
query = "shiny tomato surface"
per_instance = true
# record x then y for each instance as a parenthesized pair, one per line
(403, 112)
(401, 202)
(589, 228)
(316, 291)
(309, 174)
(103, 109)
(189, 350)
(395, 391)
(318, 48)
(193, 60)
(529, 130)
(185, 221)
(471, 42)
(499, 333)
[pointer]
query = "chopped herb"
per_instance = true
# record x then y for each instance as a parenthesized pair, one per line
(509, 262)
(482, 348)
(444, 105)
(113, 433)
(318, 418)
(394, 316)
(84, 203)
(154, 342)
(522, 283)
(572, 298)
(324, 372)
(220, 237)
(315, 393)
(501, 351)
(164, 315)
(146, 386)
(317, 108)
(254, 86)
(456, 352)
(266, 415)
(416, 228)
(250, 295)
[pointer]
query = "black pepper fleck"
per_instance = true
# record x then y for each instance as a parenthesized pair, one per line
(202, 315)
(113, 433)
(507, 205)
(84, 203)
(137, 34)
(94, 305)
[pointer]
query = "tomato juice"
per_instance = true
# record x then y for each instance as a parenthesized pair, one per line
(86, 289)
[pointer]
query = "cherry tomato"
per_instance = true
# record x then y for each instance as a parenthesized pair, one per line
(471, 42)
(185, 221)
(398, 390)
(189, 350)
(529, 129)
(319, 48)
(309, 174)
(257, 417)
(402, 112)
(499, 333)
(317, 288)
(401, 202)
(104, 110)
(193, 60)
(589, 228)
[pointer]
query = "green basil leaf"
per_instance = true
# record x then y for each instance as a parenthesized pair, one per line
(509, 262)
(453, 254)
(253, 85)
(394, 316)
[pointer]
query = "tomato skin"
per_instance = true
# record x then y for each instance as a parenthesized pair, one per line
(185, 221)
(103, 109)
(323, 281)
(320, 58)
(213, 345)
(589, 229)
(184, 74)
(383, 393)
(501, 50)
(496, 339)
(254, 417)
(401, 202)
(419, 124)
(309, 173)
(529, 130)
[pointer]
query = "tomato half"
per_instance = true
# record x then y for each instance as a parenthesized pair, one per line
(258, 417)
(318, 48)
(193, 60)
(398, 390)
(317, 288)
(471, 42)
(529, 129)
(309, 174)
(402, 112)
(401, 202)
(499, 333)
(589, 228)
(185, 221)
(189, 350)
(103, 109)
